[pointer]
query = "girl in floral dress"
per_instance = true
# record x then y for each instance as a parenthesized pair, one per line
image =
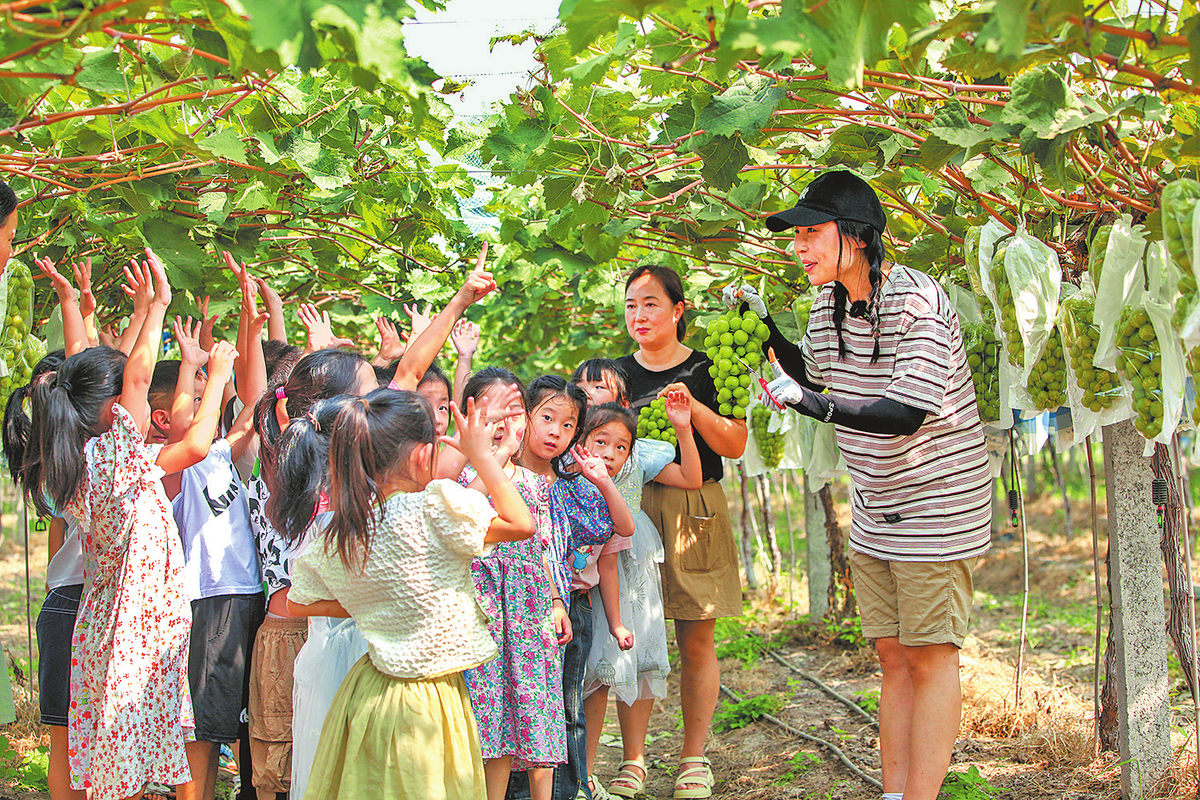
(517, 698)
(130, 709)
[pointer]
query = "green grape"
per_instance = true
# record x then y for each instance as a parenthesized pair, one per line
(19, 349)
(1178, 202)
(770, 445)
(1193, 366)
(1008, 311)
(1101, 388)
(653, 423)
(1048, 378)
(1096, 253)
(983, 355)
(730, 340)
(1139, 360)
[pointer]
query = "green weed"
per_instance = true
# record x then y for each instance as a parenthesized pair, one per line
(868, 700)
(24, 773)
(801, 763)
(746, 649)
(731, 716)
(969, 785)
(846, 633)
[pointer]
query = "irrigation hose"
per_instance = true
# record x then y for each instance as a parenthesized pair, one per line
(830, 746)
(826, 688)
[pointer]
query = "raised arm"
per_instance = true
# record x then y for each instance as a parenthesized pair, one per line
(195, 444)
(424, 348)
(87, 300)
(391, 346)
(688, 474)
(726, 437)
(139, 285)
(276, 329)
(191, 359)
(253, 381)
(592, 468)
(75, 338)
(465, 338)
(139, 368)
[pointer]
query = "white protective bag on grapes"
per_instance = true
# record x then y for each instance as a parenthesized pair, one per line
(780, 424)
(1021, 277)
(982, 345)
(1096, 396)
(1122, 281)
(1149, 352)
(1181, 233)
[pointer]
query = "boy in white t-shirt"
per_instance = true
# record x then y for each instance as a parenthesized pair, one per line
(221, 569)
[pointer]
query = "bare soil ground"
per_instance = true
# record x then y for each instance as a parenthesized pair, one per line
(1041, 749)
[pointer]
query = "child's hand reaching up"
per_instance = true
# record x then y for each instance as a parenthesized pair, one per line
(479, 283)
(319, 329)
(623, 635)
(591, 467)
(187, 334)
(679, 409)
(420, 319)
(391, 345)
(220, 362)
(465, 338)
(473, 431)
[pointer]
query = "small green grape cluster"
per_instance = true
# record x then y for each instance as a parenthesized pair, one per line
(731, 337)
(653, 423)
(983, 355)
(770, 445)
(1048, 378)
(1193, 365)
(1096, 253)
(1139, 360)
(1101, 388)
(1008, 311)
(18, 348)
(1178, 203)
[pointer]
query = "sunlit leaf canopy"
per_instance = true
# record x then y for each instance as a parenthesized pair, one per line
(304, 138)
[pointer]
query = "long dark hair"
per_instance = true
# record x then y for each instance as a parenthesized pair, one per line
(875, 252)
(548, 387)
(316, 376)
(371, 436)
(484, 379)
(594, 369)
(302, 468)
(672, 284)
(65, 413)
(16, 421)
(8, 202)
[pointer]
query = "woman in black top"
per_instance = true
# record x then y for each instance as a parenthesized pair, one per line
(700, 573)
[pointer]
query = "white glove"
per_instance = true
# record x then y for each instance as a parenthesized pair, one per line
(785, 390)
(735, 294)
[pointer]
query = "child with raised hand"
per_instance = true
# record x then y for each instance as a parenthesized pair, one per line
(64, 587)
(517, 698)
(465, 338)
(396, 556)
(586, 509)
(129, 695)
(632, 661)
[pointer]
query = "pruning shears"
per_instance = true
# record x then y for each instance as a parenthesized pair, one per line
(762, 382)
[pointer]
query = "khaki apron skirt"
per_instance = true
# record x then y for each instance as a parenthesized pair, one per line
(700, 572)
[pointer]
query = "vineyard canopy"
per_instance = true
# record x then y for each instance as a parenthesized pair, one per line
(302, 137)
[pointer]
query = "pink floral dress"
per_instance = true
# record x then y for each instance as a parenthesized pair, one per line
(131, 710)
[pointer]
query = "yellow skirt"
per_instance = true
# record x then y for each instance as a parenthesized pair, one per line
(391, 738)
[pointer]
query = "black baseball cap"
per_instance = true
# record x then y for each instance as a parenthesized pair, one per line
(833, 195)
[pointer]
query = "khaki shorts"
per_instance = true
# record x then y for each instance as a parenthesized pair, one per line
(700, 572)
(921, 602)
(271, 681)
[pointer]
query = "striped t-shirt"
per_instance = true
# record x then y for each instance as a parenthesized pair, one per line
(928, 496)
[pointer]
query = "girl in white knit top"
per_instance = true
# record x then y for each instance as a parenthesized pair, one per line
(396, 557)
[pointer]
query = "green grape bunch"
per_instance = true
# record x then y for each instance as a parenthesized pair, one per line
(1008, 311)
(1178, 203)
(730, 337)
(1101, 388)
(1193, 366)
(1048, 378)
(653, 423)
(19, 349)
(770, 445)
(1139, 360)
(983, 355)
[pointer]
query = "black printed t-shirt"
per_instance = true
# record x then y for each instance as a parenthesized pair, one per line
(645, 384)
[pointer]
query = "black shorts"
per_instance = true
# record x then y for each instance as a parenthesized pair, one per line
(55, 627)
(218, 657)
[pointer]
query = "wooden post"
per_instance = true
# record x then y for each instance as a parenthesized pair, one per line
(1143, 728)
(817, 548)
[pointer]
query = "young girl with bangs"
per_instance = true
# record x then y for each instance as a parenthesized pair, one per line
(396, 557)
(585, 510)
(633, 661)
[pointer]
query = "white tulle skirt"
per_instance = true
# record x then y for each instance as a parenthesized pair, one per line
(333, 647)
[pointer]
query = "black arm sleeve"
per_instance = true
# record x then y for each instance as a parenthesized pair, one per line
(877, 415)
(790, 355)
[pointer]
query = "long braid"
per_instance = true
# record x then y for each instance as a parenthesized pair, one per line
(875, 275)
(840, 298)
(875, 253)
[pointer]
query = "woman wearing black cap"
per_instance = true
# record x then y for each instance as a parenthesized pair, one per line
(883, 360)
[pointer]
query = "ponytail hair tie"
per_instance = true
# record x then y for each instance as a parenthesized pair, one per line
(281, 393)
